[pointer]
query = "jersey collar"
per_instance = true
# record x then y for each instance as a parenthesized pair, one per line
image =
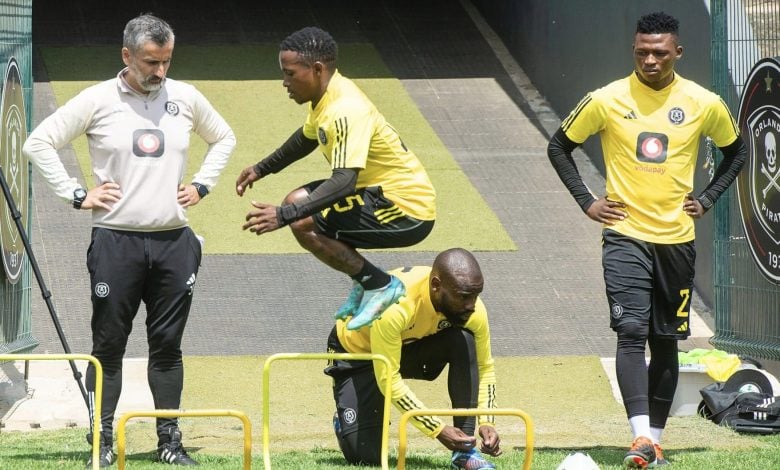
(636, 81)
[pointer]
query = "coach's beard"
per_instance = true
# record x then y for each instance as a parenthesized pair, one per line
(149, 85)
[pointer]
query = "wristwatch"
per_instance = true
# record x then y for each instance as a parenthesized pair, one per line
(705, 202)
(79, 194)
(202, 189)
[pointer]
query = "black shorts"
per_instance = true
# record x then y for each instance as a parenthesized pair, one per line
(367, 219)
(359, 402)
(649, 283)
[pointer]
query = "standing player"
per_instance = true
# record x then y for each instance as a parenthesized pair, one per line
(650, 124)
(441, 321)
(138, 127)
(378, 194)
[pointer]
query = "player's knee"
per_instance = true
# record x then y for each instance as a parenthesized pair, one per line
(459, 336)
(359, 446)
(295, 195)
(633, 331)
(358, 453)
(462, 340)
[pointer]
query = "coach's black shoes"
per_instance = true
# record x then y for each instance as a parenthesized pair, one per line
(105, 457)
(172, 452)
(105, 453)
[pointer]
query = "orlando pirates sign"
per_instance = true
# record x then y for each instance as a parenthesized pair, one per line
(758, 185)
(13, 132)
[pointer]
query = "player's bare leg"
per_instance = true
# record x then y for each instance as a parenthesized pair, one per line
(365, 302)
(333, 253)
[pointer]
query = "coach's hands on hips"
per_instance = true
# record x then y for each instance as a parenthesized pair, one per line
(245, 179)
(187, 195)
(607, 212)
(455, 439)
(102, 197)
(261, 220)
(491, 443)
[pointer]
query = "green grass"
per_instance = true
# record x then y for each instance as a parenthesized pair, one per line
(66, 449)
(568, 398)
(244, 84)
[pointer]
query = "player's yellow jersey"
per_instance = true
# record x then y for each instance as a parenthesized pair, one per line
(650, 141)
(413, 318)
(352, 133)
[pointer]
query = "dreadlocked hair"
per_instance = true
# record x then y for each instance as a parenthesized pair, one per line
(657, 23)
(313, 44)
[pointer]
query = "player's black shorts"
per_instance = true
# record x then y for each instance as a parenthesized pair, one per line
(367, 219)
(649, 283)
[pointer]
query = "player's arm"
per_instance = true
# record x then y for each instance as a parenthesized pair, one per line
(293, 149)
(559, 151)
(735, 156)
(340, 185)
(478, 324)
(386, 340)
(602, 210)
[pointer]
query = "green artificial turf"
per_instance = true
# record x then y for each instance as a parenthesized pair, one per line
(244, 84)
(568, 399)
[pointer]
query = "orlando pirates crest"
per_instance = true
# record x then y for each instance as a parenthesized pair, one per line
(758, 184)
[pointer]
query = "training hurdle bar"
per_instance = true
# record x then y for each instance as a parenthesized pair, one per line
(121, 437)
(529, 427)
(328, 356)
(98, 389)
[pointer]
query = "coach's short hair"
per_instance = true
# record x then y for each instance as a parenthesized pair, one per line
(658, 23)
(144, 28)
(313, 45)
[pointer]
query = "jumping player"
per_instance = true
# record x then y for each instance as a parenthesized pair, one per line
(378, 194)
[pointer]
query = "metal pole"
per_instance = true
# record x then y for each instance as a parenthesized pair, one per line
(17, 216)
(723, 246)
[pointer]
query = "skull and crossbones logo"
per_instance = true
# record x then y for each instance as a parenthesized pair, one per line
(770, 170)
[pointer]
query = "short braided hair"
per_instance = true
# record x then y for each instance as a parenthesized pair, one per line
(657, 23)
(313, 45)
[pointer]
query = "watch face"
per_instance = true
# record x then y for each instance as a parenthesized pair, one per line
(80, 193)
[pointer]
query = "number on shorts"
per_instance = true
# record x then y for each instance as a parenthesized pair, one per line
(686, 295)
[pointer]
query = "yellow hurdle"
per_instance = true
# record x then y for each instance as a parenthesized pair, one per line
(529, 427)
(98, 389)
(121, 437)
(321, 356)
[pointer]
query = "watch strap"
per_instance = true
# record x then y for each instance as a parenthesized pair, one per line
(79, 194)
(202, 189)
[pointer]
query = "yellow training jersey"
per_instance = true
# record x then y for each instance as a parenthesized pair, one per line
(413, 318)
(650, 141)
(353, 134)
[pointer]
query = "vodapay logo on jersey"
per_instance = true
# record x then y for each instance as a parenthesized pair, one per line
(651, 147)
